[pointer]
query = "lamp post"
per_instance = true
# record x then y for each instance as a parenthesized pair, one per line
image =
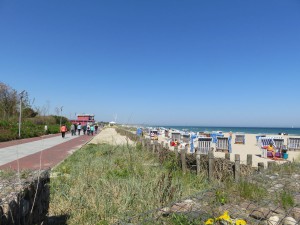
(20, 113)
(60, 116)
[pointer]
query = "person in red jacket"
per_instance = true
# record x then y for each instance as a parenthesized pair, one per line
(63, 130)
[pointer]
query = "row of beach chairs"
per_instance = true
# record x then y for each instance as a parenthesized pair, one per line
(223, 144)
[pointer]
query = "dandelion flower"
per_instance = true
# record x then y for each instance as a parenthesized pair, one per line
(210, 221)
(225, 217)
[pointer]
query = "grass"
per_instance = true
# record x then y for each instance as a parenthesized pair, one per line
(6, 174)
(103, 183)
(285, 199)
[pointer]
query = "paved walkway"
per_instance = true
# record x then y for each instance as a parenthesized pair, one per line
(40, 152)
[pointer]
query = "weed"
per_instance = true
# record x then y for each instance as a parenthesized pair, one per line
(6, 174)
(286, 199)
(251, 191)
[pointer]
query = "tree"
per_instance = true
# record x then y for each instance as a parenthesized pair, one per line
(8, 101)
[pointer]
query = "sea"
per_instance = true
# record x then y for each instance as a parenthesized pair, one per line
(250, 130)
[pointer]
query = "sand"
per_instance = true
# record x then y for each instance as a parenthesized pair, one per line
(110, 136)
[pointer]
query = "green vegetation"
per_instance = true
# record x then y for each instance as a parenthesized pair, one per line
(101, 184)
(32, 120)
(251, 191)
(285, 199)
(31, 127)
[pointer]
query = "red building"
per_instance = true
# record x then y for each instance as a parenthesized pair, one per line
(84, 119)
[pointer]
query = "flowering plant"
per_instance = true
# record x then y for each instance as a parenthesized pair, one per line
(225, 219)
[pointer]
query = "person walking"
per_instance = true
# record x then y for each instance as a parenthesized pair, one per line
(84, 129)
(88, 129)
(79, 128)
(92, 129)
(72, 129)
(75, 128)
(63, 130)
(96, 128)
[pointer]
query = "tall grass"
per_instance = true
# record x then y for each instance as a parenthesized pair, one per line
(101, 184)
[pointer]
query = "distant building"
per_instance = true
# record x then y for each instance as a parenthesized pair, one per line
(84, 119)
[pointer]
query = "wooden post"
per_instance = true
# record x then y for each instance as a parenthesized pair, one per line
(260, 166)
(198, 162)
(167, 146)
(237, 169)
(153, 147)
(210, 165)
(183, 160)
(227, 156)
(249, 160)
(143, 143)
(158, 150)
(176, 152)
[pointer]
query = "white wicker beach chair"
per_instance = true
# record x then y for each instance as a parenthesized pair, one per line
(204, 144)
(222, 144)
(293, 144)
(239, 139)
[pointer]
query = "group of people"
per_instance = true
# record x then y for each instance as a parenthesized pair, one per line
(88, 129)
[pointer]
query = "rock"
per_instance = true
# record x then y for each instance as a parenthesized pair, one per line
(295, 213)
(164, 211)
(189, 201)
(181, 207)
(289, 221)
(273, 220)
(278, 186)
(25, 207)
(260, 213)
(263, 222)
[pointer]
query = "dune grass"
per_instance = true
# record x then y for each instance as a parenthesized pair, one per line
(101, 184)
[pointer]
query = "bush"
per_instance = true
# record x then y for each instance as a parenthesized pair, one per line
(31, 127)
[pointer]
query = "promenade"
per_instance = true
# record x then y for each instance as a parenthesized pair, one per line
(39, 152)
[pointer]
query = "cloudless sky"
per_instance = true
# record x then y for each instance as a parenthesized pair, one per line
(163, 62)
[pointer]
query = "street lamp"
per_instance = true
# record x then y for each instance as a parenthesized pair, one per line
(20, 113)
(60, 116)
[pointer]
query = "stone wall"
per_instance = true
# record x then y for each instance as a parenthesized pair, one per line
(24, 197)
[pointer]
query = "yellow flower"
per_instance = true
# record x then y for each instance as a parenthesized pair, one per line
(210, 221)
(240, 222)
(225, 217)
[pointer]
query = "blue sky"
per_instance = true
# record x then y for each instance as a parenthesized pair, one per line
(167, 62)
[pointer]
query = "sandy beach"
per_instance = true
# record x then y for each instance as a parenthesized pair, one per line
(110, 136)
(250, 147)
